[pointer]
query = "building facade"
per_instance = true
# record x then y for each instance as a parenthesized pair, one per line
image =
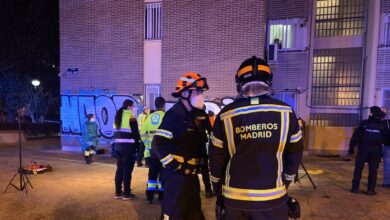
(329, 58)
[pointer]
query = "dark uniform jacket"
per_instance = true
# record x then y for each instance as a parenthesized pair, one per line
(369, 135)
(256, 146)
(180, 140)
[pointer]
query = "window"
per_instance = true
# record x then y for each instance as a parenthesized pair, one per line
(153, 16)
(334, 119)
(287, 97)
(339, 18)
(289, 34)
(385, 32)
(336, 77)
(386, 98)
(152, 92)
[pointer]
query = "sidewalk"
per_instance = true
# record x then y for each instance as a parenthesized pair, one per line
(74, 190)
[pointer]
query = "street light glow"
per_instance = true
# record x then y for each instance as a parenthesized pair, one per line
(35, 82)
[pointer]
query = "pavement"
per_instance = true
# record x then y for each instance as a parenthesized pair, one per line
(74, 190)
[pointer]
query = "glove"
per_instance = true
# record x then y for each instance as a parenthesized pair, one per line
(220, 211)
(294, 209)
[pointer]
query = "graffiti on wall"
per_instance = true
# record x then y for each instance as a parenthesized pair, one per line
(74, 109)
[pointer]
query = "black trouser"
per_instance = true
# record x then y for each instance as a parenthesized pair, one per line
(181, 196)
(125, 159)
(154, 174)
(278, 213)
(206, 176)
(372, 158)
(140, 154)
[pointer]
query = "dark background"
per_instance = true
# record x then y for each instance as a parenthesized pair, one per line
(29, 49)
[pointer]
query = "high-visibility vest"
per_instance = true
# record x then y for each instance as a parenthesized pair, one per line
(149, 128)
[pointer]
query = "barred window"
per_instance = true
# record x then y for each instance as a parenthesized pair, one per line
(339, 18)
(385, 30)
(290, 34)
(153, 18)
(336, 77)
(334, 119)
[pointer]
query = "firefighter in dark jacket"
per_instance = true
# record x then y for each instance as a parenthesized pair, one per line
(150, 127)
(369, 137)
(126, 141)
(179, 143)
(256, 149)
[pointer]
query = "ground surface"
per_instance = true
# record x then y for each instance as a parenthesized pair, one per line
(74, 190)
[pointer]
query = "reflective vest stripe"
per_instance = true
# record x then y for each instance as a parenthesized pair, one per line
(252, 194)
(122, 140)
(285, 121)
(255, 108)
(167, 159)
(296, 137)
(159, 186)
(214, 179)
(125, 130)
(216, 141)
(164, 133)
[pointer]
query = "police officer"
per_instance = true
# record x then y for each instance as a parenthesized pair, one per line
(150, 126)
(256, 149)
(126, 140)
(141, 119)
(369, 137)
(179, 143)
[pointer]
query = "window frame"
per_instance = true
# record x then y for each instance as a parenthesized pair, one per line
(298, 28)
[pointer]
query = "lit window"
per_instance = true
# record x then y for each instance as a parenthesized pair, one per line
(385, 32)
(339, 18)
(288, 34)
(153, 16)
(336, 77)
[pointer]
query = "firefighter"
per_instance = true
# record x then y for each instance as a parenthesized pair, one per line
(126, 141)
(150, 126)
(141, 119)
(180, 144)
(369, 136)
(256, 148)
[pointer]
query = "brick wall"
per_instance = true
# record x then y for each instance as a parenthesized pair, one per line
(281, 9)
(211, 38)
(104, 40)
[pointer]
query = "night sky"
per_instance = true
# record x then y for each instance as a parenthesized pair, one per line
(29, 45)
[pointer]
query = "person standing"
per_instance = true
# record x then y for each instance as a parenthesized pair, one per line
(386, 150)
(150, 127)
(89, 138)
(179, 143)
(141, 119)
(369, 137)
(256, 149)
(126, 141)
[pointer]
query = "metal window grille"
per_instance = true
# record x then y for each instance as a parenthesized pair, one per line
(336, 77)
(386, 98)
(339, 18)
(385, 32)
(334, 119)
(153, 18)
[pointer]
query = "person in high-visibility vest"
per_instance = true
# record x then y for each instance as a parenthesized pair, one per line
(141, 120)
(150, 127)
(126, 143)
